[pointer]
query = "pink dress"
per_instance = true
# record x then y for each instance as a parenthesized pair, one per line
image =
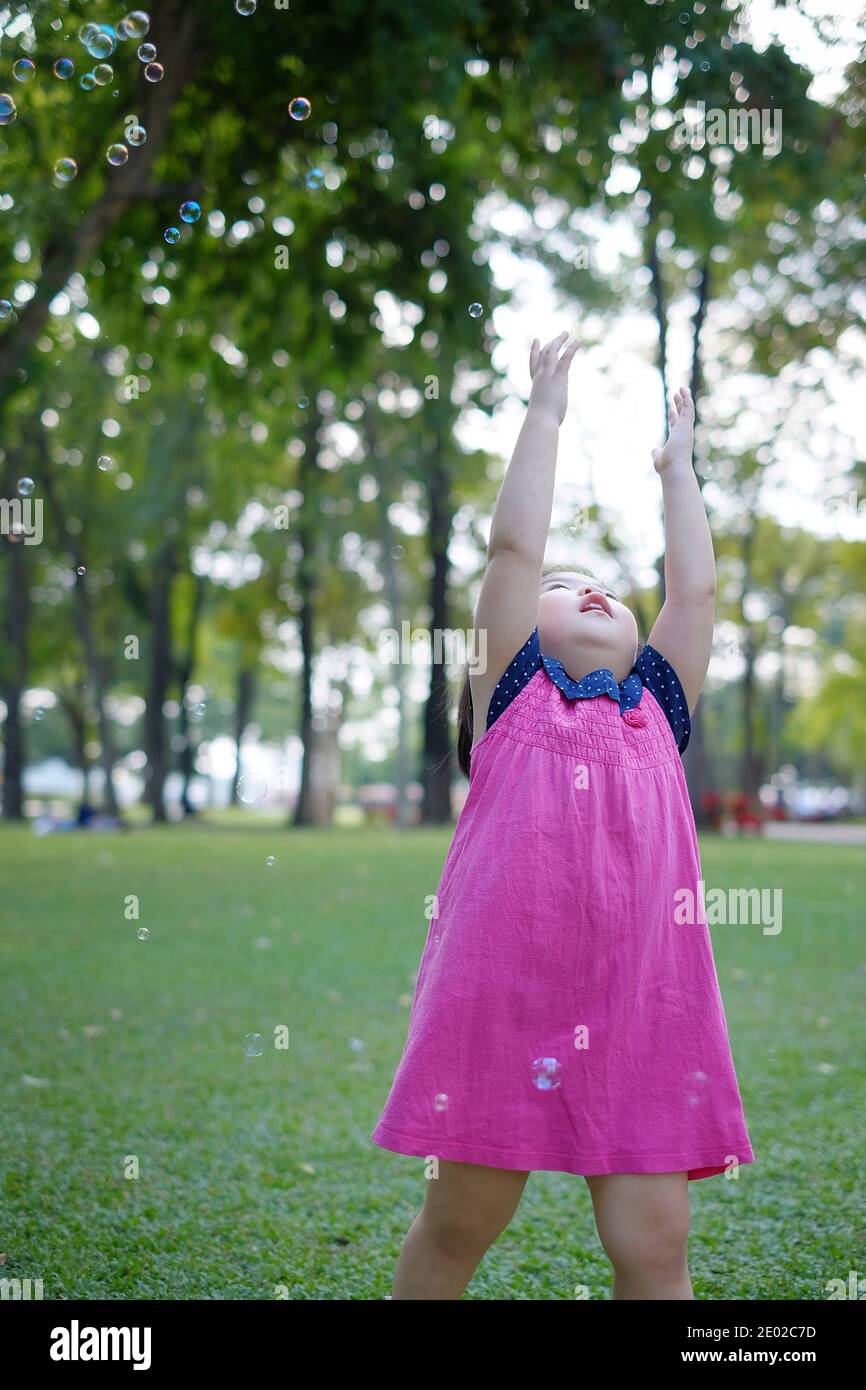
(562, 1018)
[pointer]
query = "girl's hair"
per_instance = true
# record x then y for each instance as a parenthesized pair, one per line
(464, 705)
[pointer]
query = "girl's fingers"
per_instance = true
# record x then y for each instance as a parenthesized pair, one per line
(567, 357)
(551, 349)
(534, 352)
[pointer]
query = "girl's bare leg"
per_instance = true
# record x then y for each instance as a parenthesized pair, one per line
(465, 1209)
(643, 1223)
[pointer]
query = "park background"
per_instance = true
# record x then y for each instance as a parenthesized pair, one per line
(269, 439)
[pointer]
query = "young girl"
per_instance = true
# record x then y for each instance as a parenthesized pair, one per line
(564, 1016)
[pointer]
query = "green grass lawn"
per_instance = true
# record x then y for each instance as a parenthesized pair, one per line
(259, 1171)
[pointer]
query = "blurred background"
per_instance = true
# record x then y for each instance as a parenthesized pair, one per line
(269, 275)
(269, 278)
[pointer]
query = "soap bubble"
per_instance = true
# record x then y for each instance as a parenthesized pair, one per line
(440, 1102)
(245, 7)
(136, 135)
(105, 463)
(254, 1044)
(251, 789)
(102, 74)
(102, 44)
(200, 710)
(475, 311)
(117, 154)
(6, 310)
(138, 23)
(303, 402)
(65, 170)
(315, 178)
(121, 29)
(143, 934)
(172, 235)
(299, 108)
(270, 861)
(38, 715)
(88, 81)
(147, 52)
(25, 487)
(7, 109)
(82, 569)
(23, 70)
(63, 68)
(154, 72)
(190, 212)
(87, 32)
(705, 67)
(546, 1074)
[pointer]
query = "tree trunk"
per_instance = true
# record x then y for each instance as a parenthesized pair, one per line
(436, 809)
(391, 576)
(185, 673)
(308, 483)
(750, 775)
(244, 701)
(159, 680)
(14, 665)
(660, 309)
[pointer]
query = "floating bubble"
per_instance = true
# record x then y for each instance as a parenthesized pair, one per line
(147, 52)
(303, 402)
(82, 569)
(245, 7)
(172, 235)
(475, 311)
(299, 108)
(38, 715)
(252, 788)
(440, 1102)
(25, 487)
(105, 463)
(546, 1074)
(143, 934)
(117, 154)
(6, 310)
(102, 44)
(102, 74)
(63, 68)
(8, 110)
(121, 29)
(695, 1083)
(398, 552)
(254, 1044)
(154, 72)
(23, 70)
(138, 23)
(87, 32)
(315, 178)
(65, 170)
(190, 212)
(200, 710)
(684, 18)
(705, 67)
(270, 861)
(87, 81)
(136, 135)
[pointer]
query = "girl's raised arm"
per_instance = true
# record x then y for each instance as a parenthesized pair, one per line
(507, 608)
(683, 630)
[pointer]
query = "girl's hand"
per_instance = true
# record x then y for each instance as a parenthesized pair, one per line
(681, 433)
(549, 374)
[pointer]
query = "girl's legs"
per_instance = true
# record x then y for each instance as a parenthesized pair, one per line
(466, 1208)
(643, 1223)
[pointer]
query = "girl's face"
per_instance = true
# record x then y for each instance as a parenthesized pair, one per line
(583, 625)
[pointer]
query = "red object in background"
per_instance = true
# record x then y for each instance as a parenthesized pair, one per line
(748, 814)
(712, 807)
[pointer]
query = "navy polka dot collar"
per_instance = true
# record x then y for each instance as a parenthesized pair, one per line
(627, 693)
